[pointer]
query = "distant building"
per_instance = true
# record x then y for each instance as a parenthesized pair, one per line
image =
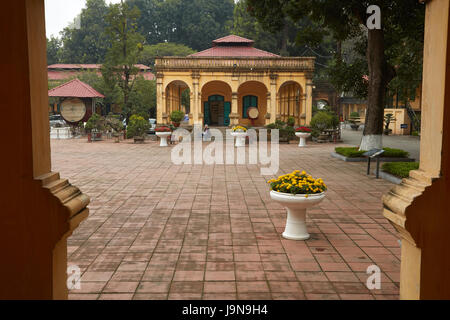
(232, 82)
(58, 72)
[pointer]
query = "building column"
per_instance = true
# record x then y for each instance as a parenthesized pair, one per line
(419, 207)
(234, 115)
(39, 209)
(197, 118)
(273, 98)
(309, 99)
(160, 104)
(268, 114)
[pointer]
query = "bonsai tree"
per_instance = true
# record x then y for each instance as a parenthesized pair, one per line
(176, 117)
(137, 127)
(354, 120)
(322, 121)
(95, 123)
(113, 122)
(388, 118)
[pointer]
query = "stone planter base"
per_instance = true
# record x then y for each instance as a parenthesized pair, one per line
(240, 138)
(296, 206)
(302, 136)
(163, 138)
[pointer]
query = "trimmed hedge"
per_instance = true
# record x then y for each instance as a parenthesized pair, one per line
(353, 152)
(399, 169)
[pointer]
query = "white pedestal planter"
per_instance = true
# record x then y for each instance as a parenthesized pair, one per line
(163, 138)
(296, 206)
(240, 138)
(302, 136)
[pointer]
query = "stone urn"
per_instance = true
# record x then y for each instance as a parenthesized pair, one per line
(163, 138)
(240, 138)
(296, 206)
(302, 136)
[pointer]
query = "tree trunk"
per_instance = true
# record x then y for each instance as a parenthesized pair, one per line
(284, 39)
(379, 76)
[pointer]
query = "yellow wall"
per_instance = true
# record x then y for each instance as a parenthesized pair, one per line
(255, 89)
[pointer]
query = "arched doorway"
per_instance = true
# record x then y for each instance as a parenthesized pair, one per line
(177, 96)
(290, 102)
(252, 94)
(216, 103)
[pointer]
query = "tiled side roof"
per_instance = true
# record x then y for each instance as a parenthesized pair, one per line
(87, 66)
(75, 88)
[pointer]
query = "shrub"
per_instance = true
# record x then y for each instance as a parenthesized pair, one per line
(400, 169)
(354, 114)
(137, 126)
(291, 121)
(176, 116)
(113, 122)
(353, 152)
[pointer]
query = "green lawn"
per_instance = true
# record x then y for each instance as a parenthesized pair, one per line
(353, 152)
(400, 169)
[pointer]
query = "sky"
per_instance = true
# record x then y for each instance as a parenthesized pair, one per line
(60, 13)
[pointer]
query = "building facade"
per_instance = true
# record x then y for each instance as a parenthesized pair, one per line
(225, 81)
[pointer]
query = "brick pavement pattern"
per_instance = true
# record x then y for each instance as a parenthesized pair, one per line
(162, 231)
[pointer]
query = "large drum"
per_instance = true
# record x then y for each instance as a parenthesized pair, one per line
(73, 110)
(253, 113)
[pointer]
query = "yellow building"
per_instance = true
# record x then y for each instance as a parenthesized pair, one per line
(225, 81)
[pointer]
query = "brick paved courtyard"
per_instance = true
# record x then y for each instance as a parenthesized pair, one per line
(162, 231)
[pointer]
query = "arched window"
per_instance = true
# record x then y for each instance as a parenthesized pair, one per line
(247, 102)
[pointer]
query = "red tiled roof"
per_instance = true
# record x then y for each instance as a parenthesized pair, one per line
(75, 88)
(233, 39)
(87, 66)
(233, 46)
(233, 51)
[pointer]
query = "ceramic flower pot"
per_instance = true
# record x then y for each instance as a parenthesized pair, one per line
(163, 138)
(296, 206)
(240, 138)
(302, 136)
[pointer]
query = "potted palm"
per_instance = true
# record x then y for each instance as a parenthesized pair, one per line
(297, 191)
(137, 128)
(176, 117)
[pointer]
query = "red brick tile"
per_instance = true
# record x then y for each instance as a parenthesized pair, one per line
(219, 287)
(219, 275)
(252, 287)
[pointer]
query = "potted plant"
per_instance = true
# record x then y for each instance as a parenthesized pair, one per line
(354, 120)
(286, 132)
(163, 133)
(137, 128)
(176, 117)
(94, 127)
(297, 191)
(302, 133)
(113, 122)
(240, 132)
(388, 118)
(322, 122)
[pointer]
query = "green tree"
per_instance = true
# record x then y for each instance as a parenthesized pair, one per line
(84, 41)
(53, 50)
(163, 49)
(401, 21)
(124, 52)
(193, 23)
(143, 97)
